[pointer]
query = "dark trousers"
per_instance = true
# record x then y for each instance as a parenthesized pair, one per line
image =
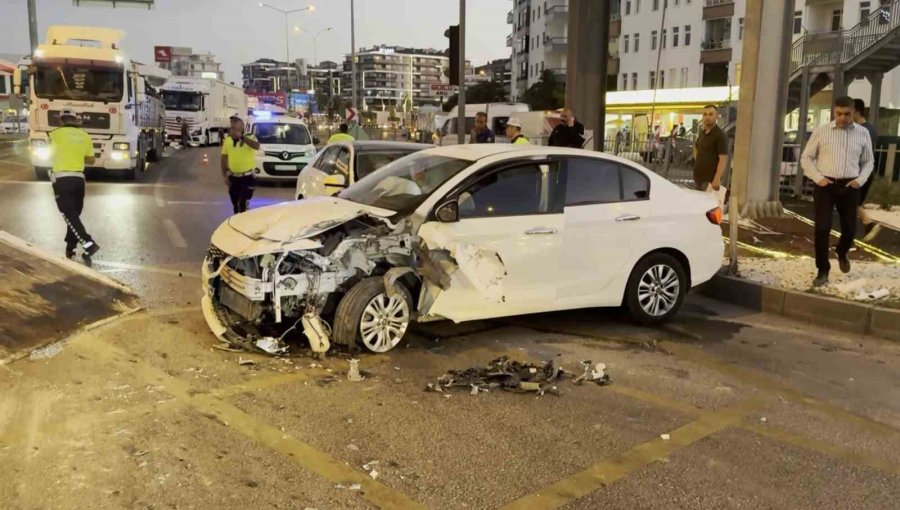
(240, 190)
(826, 199)
(69, 193)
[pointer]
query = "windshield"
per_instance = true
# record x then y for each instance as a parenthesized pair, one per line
(404, 184)
(183, 101)
(81, 83)
(288, 134)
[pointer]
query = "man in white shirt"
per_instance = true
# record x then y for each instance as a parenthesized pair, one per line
(838, 159)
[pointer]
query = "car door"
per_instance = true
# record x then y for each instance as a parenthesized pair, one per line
(339, 177)
(506, 242)
(311, 181)
(606, 207)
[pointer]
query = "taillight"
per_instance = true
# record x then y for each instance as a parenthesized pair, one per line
(714, 216)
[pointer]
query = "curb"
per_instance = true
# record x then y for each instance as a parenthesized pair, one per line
(847, 316)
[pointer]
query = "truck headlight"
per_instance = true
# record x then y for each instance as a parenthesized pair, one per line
(121, 146)
(118, 155)
(42, 153)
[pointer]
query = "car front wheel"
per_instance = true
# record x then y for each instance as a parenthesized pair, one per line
(367, 316)
(656, 289)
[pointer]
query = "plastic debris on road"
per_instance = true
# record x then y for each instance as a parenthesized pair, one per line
(665, 437)
(46, 352)
(593, 373)
(513, 376)
(353, 374)
(272, 345)
(871, 296)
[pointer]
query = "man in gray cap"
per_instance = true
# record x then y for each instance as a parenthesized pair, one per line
(71, 149)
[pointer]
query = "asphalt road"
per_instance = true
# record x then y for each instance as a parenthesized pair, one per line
(724, 408)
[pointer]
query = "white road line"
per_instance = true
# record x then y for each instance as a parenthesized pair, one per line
(174, 234)
(160, 201)
(96, 184)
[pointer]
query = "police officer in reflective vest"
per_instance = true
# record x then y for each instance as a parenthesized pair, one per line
(342, 136)
(514, 132)
(70, 149)
(238, 162)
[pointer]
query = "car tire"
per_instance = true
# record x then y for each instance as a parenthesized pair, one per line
(364, 307)
(42, 173)
(656, 289)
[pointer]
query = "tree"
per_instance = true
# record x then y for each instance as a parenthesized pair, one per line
(548, 93)
(482, 92)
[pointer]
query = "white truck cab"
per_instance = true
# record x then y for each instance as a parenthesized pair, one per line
(285, 146)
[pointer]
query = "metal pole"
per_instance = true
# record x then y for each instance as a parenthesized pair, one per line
(287, 47)
(461, 103)
(353, 55)
(32, 25)
(802, 127)
(659, 47)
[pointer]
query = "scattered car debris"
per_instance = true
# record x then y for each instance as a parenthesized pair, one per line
(594, 373)
(46, 352)
(665, 437)
(352, 447)
(354, 487)
(243, 362)
(374, 474)
(503, 374)
(763, 419)
(227, 348)
(272, 345)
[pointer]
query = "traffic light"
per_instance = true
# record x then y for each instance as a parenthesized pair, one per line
(452, 33)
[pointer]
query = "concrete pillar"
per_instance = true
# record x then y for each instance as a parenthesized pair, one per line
(875, 99)
(591, 58)
(839, 85)
(761, 107)
(572, 54)
(802, 127)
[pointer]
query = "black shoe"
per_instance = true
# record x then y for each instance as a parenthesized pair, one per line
(821, 279)
(89, 251)
(844, 263)
(70, 253)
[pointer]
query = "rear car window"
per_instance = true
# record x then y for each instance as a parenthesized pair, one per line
(368, 162)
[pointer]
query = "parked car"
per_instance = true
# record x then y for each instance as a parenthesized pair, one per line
(341, 164)
(285, 148)
(12, 125)
(462, 233)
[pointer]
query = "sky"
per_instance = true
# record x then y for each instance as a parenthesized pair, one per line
(239, 31)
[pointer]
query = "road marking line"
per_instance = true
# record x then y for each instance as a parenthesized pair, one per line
(236, 420)
(606, 473)
(174, 234)
(147, 269)
(160, 201)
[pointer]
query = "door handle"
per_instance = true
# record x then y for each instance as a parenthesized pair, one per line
(628, 217)
(540, 231)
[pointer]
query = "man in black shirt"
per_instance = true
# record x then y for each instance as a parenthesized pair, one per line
(710, 151)
(569, 132)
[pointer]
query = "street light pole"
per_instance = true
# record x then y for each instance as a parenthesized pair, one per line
(32, 25)
(315, 38)
(461, 102)
(287, 33)
(353, 54)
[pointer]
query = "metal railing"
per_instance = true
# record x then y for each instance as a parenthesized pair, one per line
(716, 44)
(713, 3)
(840, 47)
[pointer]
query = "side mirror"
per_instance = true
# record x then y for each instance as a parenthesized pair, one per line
(337, 179)
(316, 140)
(448, 212)
(129, 106)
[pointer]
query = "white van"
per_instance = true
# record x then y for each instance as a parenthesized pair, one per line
(498, 114)
(286, 147)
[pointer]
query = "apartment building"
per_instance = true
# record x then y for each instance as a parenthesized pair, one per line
(499, 70)
(269, 75)
(326, 78)
(396, 76)
(700, 41)
(182, 61)
(539, 41)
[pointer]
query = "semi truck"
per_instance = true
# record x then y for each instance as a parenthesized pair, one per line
(116, 99)
(205, 104)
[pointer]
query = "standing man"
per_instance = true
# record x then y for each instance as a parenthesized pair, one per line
(481, 133)
(859, 110)
(71, 148)
(185, 136)
(342, 135)
(568, 133)
(838, 159)
(710, 151)
(238, 162)
(514, 132)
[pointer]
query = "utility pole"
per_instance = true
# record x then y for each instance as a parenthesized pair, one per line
(591, 57)
(353, 55)
(461, 104)
(32, 25)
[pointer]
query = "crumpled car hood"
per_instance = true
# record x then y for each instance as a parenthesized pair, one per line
(300, 219)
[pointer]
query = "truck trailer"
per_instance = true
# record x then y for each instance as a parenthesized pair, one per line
(205, 104)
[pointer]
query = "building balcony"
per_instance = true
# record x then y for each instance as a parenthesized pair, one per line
(556, 12)
(715, 51)
(555, 43)
(615, 28)
(509, 18)
(509, 41)
(713, 9)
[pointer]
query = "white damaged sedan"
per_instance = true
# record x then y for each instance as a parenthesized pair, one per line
(461, 233)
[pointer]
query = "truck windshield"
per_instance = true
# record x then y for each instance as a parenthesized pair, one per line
(182, 101)
(288, 134)
(82, 83)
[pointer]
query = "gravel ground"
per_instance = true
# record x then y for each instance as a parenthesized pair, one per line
(797, 274)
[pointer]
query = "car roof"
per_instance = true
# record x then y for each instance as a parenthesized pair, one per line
(279, 119)
(474, 152)
(375, 146)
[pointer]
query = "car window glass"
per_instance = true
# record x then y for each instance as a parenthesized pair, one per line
(591, 181)
(635, 185)
(342, 161)
(516, 191)
(368, 162)
(327, 161)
